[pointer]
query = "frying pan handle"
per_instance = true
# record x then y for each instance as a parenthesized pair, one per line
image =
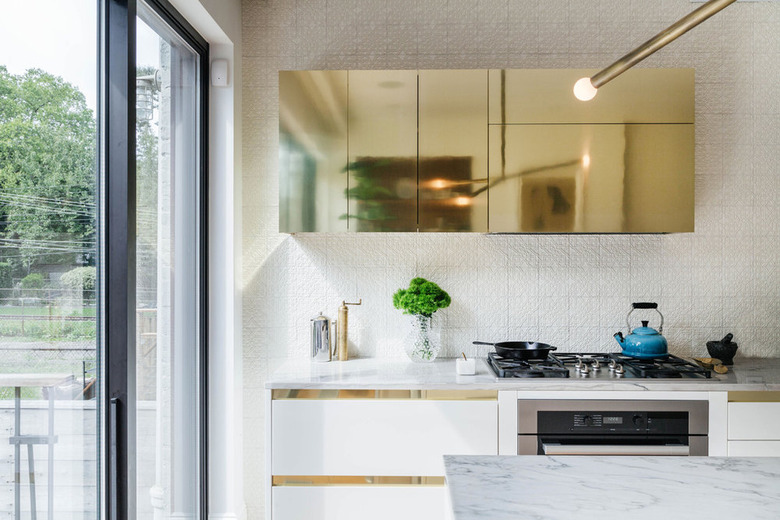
(482, 343)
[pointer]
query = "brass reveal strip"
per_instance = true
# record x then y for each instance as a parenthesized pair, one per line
(331, 480)
(754, 397)
(429, 395)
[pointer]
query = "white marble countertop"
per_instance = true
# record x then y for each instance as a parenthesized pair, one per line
(752, 374)
(611, 488)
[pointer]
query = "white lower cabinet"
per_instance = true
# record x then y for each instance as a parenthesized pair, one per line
(754, 429)
(392, 449)
(359, 503)
(378, 437)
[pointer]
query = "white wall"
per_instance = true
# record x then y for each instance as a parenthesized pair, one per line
(572, 291)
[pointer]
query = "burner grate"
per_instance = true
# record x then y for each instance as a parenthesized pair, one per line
(671, 366)
(563, 365)
(508, 367)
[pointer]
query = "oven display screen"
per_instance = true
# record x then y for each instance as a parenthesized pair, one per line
(613, 420)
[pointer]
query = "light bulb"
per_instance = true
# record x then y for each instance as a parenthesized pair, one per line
(584, 89)
(438, 184)
(586, 160)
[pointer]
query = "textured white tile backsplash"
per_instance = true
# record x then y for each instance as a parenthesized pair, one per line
(572, 291)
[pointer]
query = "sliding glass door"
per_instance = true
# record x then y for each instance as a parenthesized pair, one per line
(48, 260)
(102, 261)
(154, 273)
(168, 265)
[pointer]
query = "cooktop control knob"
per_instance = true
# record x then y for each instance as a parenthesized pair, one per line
(587, 420)
(638, 421)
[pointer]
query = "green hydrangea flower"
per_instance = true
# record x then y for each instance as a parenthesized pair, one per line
(422, 297)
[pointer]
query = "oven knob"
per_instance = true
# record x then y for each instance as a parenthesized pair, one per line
(587, 420)
(638, 420)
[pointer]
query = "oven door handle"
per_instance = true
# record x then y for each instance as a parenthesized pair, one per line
(601, 449)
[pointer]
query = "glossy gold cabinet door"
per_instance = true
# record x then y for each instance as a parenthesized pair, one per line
(382, 150)
(642, 95)
(312, 151)
(453, 150)
(606, 178)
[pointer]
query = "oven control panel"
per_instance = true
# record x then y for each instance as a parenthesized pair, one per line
(559, 422)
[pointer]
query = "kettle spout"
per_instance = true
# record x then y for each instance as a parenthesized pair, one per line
(620, 339)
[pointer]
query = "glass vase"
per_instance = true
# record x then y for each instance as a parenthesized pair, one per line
(423, 342)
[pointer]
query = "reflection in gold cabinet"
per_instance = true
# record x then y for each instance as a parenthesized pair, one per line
(604, 178)
(382, 184)
(312, 150)
(453, 150)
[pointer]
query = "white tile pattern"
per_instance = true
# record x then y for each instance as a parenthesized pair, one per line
(571, 291)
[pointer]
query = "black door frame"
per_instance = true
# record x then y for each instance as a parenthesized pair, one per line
(117, 30)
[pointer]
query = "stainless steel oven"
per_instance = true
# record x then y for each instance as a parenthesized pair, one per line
(612, 427)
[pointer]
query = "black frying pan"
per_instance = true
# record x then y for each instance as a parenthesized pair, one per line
(520, 349)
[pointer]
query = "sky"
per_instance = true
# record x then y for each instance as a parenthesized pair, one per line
(60, 37)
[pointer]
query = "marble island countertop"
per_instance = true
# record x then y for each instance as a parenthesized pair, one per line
(747, 374)
(611, 488)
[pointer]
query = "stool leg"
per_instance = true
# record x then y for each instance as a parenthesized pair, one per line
(17, 454)
(51, 456)
(31, 465)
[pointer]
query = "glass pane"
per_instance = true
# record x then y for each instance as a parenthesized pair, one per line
(48, 332)
(167, 339)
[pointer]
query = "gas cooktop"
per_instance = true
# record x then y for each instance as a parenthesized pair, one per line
(596, 366)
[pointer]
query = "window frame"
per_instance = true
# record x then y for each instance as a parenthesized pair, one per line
(116, 244)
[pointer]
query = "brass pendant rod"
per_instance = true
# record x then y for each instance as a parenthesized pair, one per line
(658, 41)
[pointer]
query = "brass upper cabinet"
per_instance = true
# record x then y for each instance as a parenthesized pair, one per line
(621, 163)
(382, 180)
(600, 178)
(312, 150)
(453, 150)
(519, 96)
(507, 151)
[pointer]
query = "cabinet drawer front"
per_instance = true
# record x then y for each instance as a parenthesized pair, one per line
(754, 448)
(378, 438)
(359, 503)
(754, 421)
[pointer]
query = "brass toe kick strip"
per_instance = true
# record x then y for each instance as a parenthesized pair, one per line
(754, 397)
(348, 480)
(429, 395)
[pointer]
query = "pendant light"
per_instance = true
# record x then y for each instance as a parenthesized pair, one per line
(586, 88)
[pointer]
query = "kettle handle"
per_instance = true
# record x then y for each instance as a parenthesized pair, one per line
(644, 305)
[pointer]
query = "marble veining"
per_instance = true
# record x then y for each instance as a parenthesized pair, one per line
(606, 488)
(749, 374)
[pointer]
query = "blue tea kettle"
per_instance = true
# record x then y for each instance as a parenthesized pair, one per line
(643, 342)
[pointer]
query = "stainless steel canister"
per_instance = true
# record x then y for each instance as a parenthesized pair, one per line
(320, 339)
